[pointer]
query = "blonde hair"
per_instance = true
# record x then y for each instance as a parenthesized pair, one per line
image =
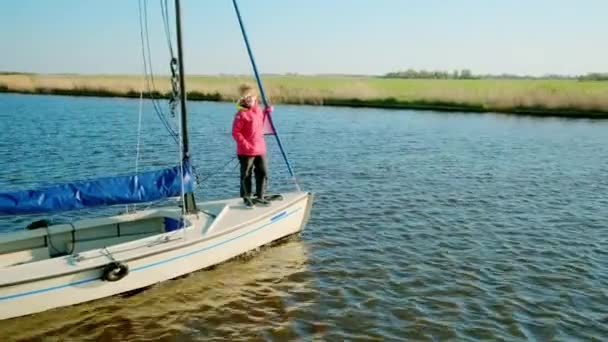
(247, 96)
(246, 90)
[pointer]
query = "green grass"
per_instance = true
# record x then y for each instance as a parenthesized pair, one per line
(535, 97)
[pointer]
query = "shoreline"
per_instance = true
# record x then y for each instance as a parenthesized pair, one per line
(567, 99)
(352, 103)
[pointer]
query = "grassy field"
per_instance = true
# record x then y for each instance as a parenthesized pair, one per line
(534, 97)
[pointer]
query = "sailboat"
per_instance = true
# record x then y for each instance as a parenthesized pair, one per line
(57, 265)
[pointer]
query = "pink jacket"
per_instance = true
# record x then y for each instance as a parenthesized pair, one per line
(248, 130)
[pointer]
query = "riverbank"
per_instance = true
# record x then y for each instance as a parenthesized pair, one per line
(566, 98)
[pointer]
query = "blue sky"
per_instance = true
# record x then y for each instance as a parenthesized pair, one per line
(312, 36)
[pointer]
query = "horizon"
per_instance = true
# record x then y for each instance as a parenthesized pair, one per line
(506, 75)
(360, 39)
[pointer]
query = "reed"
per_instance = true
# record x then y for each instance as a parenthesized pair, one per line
(520, 96)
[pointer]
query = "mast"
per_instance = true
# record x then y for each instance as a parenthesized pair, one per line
(189, 203)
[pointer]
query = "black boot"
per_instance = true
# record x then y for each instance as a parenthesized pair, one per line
(248, 202)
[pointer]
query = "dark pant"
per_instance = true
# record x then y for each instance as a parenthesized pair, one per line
(258, 165)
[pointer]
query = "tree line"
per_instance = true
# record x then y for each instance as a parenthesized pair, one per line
(466, 74)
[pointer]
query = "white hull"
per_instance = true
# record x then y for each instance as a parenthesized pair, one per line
(30, 287)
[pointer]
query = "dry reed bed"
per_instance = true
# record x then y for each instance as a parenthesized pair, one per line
(525, 96)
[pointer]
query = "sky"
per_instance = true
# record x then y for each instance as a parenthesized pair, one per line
(532, 37)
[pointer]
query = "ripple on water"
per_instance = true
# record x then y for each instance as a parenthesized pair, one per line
(425, 226)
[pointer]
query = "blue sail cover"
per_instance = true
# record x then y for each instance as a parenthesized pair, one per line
(137, 188)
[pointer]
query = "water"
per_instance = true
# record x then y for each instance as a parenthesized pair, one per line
(426, 226)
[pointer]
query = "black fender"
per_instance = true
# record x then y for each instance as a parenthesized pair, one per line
(115, 271)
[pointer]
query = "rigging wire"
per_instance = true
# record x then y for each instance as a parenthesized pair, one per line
(149, 74)
(165, 14)
(175, 88)
(149, 59)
